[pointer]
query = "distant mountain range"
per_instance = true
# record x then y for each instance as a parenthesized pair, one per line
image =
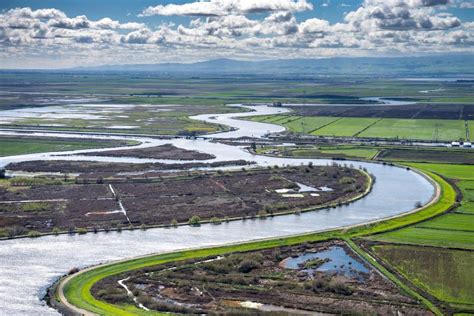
(448, 65)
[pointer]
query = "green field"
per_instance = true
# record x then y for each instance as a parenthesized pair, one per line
(322, 151)
(449, 230)
(416, 129)
(10, 146)
(345, 127)
(446, 274)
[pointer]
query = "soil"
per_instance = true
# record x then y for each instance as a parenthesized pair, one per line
(176, 197)
(219, 285)
(167, 151)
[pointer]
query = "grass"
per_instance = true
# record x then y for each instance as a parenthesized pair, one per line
(10, 146)
(447, 277)
(345, 127)
(392, 128)
(346, 151)
(448, 130)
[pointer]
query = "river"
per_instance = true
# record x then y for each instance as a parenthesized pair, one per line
(28, 266)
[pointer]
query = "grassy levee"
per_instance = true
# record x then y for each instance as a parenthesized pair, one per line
(447, 198)
(77, 288)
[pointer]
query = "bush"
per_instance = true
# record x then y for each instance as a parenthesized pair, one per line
(262, 214)
(81, 231)
(346, 180)
(216, 221)
(56, 231)
(194, 221)
(174, 222)
(248, 265)
(34, 234)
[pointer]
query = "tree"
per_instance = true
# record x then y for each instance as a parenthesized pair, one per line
(194, 221)
(2, 174)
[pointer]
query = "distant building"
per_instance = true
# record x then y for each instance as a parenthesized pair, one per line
(277, 104)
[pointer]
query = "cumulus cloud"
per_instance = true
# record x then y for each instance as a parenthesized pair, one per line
(226, 7)
(236, 28)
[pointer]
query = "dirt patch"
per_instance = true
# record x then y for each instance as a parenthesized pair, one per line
(222, 284)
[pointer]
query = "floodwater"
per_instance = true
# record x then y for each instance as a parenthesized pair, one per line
(338, 261)
(29, 266)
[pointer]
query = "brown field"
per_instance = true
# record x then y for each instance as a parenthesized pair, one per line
(172, 198)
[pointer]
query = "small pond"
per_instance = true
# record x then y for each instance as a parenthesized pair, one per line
(338, 261)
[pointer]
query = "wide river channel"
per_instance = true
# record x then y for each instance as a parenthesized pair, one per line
(29, 266)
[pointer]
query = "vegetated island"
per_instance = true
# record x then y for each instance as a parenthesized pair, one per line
(167, 151)
(36, 206)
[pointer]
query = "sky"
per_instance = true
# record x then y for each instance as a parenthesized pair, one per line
(68, 33)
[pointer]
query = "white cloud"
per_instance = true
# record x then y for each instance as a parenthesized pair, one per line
(466, 5)
(231, 29)
(226, 7)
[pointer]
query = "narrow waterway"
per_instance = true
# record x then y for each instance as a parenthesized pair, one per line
(29, 266)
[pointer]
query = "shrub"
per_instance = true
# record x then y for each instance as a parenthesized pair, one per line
(174, 222)
(194, 221)
(339, 287)
(34, 234)
(81, 231)
(56, 231)
(216, 221)
(346, 180)
(248, 265)
(262, 214)
(143, 227)
(73, 270)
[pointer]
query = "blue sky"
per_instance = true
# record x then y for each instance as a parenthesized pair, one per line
(62, 33)
(125, 10)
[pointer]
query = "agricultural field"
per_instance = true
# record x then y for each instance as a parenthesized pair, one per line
(386, 153)
(412, 129)
(321, 151)
(10, 146)
(448, 276)
(448, 241)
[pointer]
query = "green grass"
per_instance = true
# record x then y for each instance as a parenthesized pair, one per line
(448, 275)
(345, 127)
(328, 151)
(430, 237)
(458, 172)
(450, 230)
(451, 222)
(10, 146)
(417, 129)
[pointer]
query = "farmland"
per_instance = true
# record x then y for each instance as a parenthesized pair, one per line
(388, 128)
(388, 153)
(449, 241)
